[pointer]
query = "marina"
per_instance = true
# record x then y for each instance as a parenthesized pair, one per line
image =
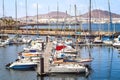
(50, 57)
(61, 44)
(105, 60)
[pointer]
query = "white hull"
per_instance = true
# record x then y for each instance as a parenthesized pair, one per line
(2, 44)
(108, 42)
(18, 65)
(116, 44)
(68, 68)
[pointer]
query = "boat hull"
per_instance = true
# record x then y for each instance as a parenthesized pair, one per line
(23, 67)
(68, 69)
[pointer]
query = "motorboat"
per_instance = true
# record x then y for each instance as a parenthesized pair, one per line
(22, 65)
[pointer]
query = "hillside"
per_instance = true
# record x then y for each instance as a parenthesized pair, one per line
(94, 14)
(100, 13)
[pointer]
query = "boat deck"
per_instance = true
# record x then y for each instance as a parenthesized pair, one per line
(93, 44)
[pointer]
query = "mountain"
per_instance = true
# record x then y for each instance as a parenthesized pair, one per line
(100, 13)
(94, 14)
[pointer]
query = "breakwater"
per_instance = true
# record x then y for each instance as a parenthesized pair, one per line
(45, 32)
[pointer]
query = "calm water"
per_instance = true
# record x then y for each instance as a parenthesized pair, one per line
(94, 27)
(105, 66)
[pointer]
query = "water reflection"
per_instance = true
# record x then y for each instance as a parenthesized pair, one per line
(64, 77)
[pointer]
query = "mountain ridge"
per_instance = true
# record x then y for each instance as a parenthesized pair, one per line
(96, 13)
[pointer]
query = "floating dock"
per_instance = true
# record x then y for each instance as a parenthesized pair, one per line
(43, 66)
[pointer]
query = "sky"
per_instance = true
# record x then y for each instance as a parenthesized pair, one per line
(45, 6)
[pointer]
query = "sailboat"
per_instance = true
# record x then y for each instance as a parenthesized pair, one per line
(98, 40)
(88, 42)
(22, 63)
(17, 39)
(68, 40)
(3, 37)
(26, 39)
(109, 40)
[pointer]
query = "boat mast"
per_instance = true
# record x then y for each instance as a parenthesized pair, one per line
(3, 16)
(99, 25)
(3, 9)
(26, 15)
(75, 22)
(75, 27)
(90, 16)
(37, 18)
(65, 23)
(16, 15)
(89, 51)
(57, 17)
(110, 16)
(70, 19)
(48, 21)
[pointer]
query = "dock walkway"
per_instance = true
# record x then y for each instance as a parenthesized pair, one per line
(47, 56)
(43, 67)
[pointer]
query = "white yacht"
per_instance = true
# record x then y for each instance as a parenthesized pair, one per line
(68, 68)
